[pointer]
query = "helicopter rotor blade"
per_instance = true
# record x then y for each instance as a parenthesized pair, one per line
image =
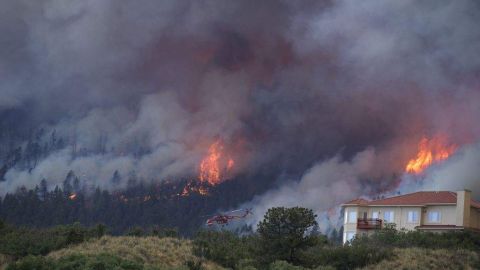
(212, 215)
(238, 210)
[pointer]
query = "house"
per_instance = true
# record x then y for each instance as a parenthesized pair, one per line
(435, 211)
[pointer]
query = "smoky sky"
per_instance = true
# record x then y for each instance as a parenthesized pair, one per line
(285, 84)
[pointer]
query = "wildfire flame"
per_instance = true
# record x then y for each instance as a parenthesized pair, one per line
(215, 165)
(429, 151)
(192, 187)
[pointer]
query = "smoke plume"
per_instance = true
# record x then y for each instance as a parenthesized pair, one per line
(330, 98)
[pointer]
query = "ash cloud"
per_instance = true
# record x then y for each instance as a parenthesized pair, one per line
(297, 89)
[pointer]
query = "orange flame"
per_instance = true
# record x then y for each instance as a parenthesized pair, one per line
(214, 166)
(193, 188)
(429, 151)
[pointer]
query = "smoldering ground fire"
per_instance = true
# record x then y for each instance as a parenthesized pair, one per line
(315, 101)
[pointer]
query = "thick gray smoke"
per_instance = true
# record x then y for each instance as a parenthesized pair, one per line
(330, 98)
(394, 52)
(322, 188)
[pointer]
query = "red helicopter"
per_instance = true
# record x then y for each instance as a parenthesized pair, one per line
(224, 219)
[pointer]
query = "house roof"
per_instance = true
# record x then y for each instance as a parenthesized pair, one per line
(439, 227)
(416, 198)
(358, 201)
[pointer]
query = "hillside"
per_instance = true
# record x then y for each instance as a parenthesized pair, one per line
(420, 258)
(150, 251)
(74, 247)
(172, 253)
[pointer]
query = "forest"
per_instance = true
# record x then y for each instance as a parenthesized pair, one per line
(140, 203)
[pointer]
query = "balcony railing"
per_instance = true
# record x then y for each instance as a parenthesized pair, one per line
(369, 223)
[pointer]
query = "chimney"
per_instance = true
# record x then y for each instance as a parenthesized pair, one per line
(463, 208)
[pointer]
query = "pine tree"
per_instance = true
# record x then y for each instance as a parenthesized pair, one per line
(67, 183)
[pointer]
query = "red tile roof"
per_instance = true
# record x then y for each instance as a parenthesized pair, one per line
(358, 201)
(447, 226)
(416, 198)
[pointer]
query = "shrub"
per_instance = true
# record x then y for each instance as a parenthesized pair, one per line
(225, 248)
(20, 242)
(343, 257)
(168, 253)
(421, 258)
(136, 231)
(76, 262)
(32, 262)
(194, 265)
(99, 230)
(403, 239)
(165, 232)
(101, 261)
(283, 265)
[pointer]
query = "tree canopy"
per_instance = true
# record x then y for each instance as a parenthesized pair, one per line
(284, 231)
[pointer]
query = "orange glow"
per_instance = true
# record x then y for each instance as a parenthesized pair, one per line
(230, 164)
(215, 165)
(429, 151)
(192, 187)
(73, 196)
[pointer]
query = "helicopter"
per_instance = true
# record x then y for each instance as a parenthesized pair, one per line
(225, 218)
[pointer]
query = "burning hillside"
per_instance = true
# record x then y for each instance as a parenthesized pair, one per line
(214, 168)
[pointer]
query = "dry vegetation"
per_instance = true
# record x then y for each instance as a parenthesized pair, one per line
(151, 251)
(3, 261)
(170, 253)
(419, 258)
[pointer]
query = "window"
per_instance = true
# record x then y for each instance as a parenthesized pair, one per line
(388, 216)
(434, 216)
(352, 217)
(349, 236)
(412, 216)
(375, 214)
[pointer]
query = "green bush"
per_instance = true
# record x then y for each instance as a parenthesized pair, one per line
(136, 231)
(351, 257)
(325, 267)
(164, 232)
(283, 265)
(224, 248)
(99, 230)
(343, 257)
(390, 237)
(76, 262)
(194, 265)
(20, 242)
(32, 263)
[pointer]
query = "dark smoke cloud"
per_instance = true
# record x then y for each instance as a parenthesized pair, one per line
(324, 95)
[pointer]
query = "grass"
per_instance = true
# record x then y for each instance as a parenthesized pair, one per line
(150, 251)
(418, 258)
